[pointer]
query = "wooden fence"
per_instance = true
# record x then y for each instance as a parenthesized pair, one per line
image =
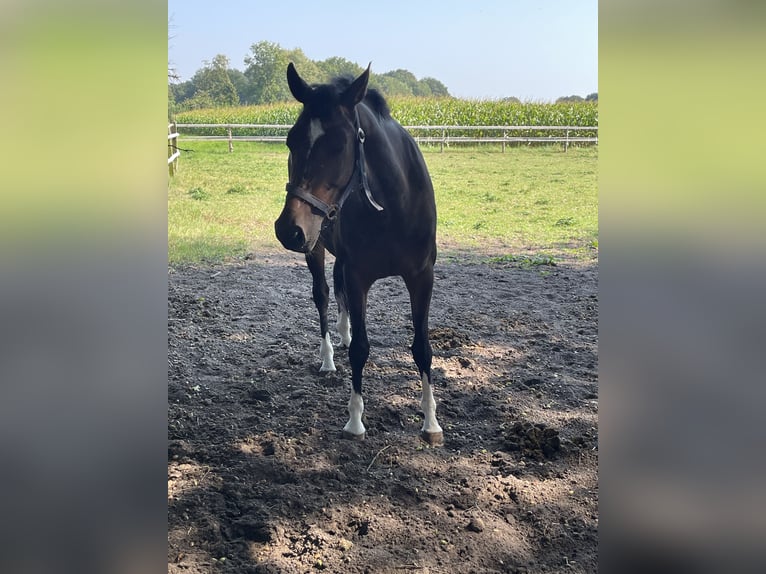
(173, 152)
(442, 135)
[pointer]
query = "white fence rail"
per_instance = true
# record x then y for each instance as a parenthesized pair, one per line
(173, 152)
(442, 135)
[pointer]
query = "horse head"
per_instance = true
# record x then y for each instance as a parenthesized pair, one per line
(322, 158)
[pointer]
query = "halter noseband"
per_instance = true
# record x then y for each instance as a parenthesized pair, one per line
(358, 177)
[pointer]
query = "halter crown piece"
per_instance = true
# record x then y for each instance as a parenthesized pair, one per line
(358, 177)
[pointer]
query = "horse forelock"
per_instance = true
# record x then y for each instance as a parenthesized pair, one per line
(325, 98)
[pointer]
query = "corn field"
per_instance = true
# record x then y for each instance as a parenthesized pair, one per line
(408, 111)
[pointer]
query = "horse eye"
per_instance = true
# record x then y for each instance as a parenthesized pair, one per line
(336, 145)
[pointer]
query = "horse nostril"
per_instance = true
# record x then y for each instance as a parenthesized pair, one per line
(298, 239)
(291, 237)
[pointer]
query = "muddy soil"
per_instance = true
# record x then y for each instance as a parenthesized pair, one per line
(260, 480)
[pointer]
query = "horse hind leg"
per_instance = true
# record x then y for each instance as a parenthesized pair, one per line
(343, 324)
(420, 288)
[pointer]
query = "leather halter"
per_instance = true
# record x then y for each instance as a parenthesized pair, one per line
(358, 179)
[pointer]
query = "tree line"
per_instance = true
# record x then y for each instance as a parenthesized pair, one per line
(589, 98)
(217, 84)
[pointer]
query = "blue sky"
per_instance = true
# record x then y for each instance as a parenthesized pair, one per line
(532, 49)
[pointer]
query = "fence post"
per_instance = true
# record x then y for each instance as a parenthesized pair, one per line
(505, 135)
(566, 144)
(231, 147)
(441, 143)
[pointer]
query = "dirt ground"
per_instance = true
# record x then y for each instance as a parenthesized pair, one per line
(260, 480)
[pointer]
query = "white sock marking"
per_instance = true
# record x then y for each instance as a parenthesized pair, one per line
(354, 425)
(326, 352)
(428, 404)
(344, 328)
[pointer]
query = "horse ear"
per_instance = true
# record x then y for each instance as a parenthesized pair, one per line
(298, 87)
(357, 90)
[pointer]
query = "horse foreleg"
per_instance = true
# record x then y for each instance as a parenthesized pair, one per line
(358, 351)
(343, 325)
(420, 288)
(321, 295)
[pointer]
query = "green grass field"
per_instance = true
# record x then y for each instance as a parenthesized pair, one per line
(530, 201)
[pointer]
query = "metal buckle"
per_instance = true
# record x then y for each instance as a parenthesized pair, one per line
(360, 135)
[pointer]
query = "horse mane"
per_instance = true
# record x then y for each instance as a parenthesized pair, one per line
(377, 102)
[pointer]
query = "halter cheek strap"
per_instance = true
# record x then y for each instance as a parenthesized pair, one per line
(361, 165)
(358, 178)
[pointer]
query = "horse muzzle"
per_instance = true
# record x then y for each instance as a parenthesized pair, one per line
(291, 237)
(297, 228)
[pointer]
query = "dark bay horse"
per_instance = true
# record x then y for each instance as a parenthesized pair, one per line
(359, 187)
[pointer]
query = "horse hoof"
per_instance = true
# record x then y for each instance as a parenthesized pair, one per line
(432, 438)
(350, 436)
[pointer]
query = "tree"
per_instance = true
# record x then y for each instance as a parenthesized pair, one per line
(265, 73)
(264, 81)
(201, 99)
(241, 84)
(390, 86)
(421, 89)
(182, 91)
(213, 79)
(172, 106)
(592, 97)
(266, 68)
(404, 83)
(404, 76)
(567, 99)
(308, 69)
(336, 66)
(436, 87)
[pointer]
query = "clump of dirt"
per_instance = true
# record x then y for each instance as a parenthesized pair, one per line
(260, 480)
(447, 338)
(536, 441)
